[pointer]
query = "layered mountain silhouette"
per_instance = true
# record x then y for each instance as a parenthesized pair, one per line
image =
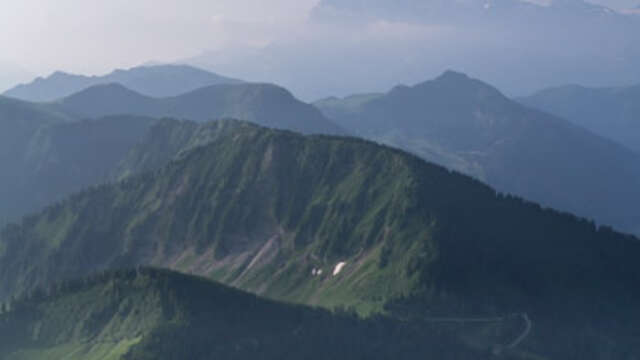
(344, 222)
(48, 151)
(471, 127)
(610, 112)
(264, 104)
(155, 81)
(25, 134)
(518, 45)
(157, 314)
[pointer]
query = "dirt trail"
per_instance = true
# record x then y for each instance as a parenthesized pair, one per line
(525, 334)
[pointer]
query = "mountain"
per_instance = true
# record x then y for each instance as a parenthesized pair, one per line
(333, 221)
(155, 81)
(49, 151)
(517, 45)
(46, 155)
(153, 314)
(610, 112)
(265, 104)
(19, 122)
(471, 127)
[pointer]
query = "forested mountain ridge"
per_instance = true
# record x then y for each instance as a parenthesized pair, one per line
(156, 314)
(344, 222)
(156, 81)
(469, 126)
(610, 112)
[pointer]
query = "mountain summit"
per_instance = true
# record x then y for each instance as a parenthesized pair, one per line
(468, 125)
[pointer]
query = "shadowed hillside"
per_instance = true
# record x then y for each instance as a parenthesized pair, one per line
(610, 112)
(155, 314)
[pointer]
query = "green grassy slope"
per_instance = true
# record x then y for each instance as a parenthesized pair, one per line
(266, 210)
(154, 314)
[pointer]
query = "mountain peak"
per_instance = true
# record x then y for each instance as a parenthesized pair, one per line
(462, 84)
(108, 89)
(451, 75)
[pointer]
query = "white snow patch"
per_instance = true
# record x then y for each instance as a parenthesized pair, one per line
(339, 268)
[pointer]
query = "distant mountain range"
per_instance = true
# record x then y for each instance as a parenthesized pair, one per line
(471, 127)
(610, 112)
(465, 10)
(332, 222)
(48, 151)
(264, 104)
(155, 81)
(517, 45)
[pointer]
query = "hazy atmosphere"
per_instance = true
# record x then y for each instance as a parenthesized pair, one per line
(265, 41)
(320, 180)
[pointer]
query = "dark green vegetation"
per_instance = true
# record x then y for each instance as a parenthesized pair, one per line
(610, 112)
(45, 156)
(157, 81)
(155, 314)
(471, 127)
(264, 210)
(263, 104)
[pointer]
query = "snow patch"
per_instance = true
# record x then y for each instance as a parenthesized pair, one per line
(339, 268)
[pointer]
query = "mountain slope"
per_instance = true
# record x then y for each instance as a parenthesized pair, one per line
(154, 314)
(610, 112)
(19, 122)
(339, 222)
(44, 157)
(264, 104)
(156, 81)
(469, 126)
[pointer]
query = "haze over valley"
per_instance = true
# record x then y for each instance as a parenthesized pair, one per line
(320, 179)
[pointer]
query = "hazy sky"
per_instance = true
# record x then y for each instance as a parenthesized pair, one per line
(97, 35)
(94, 36)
